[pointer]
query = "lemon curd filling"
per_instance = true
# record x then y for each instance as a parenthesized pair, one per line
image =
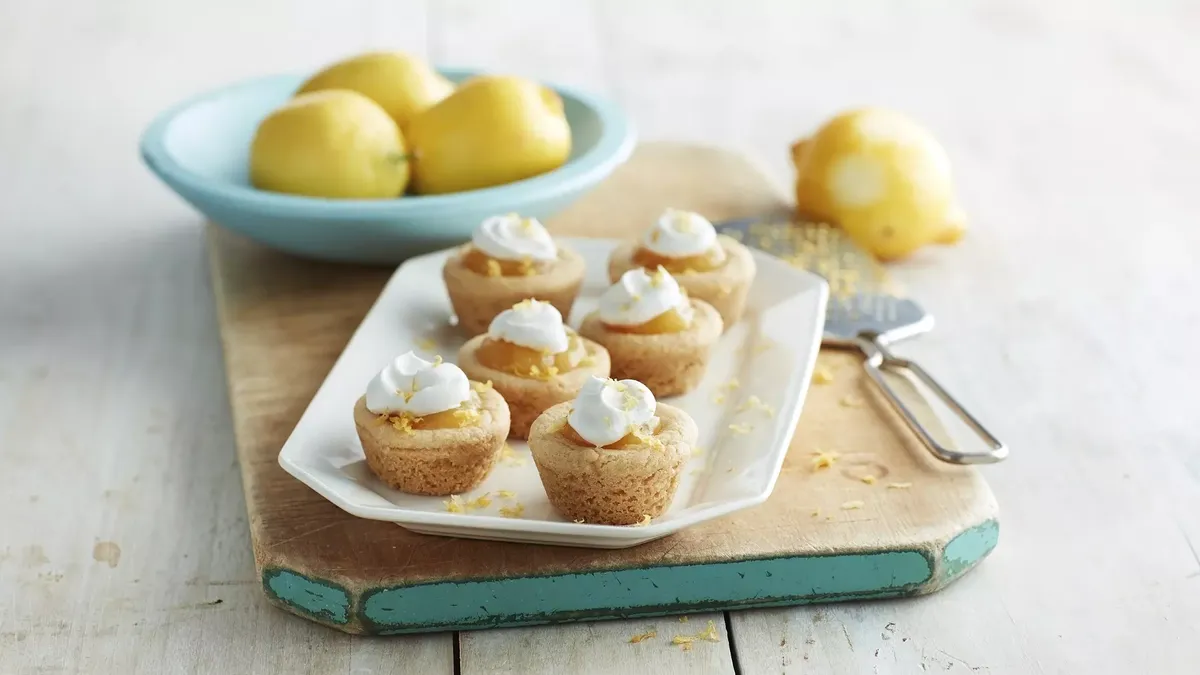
(708, 261)
(465, 415)
(670, 321)
(635, 437)
(531, 363)
(481, 263)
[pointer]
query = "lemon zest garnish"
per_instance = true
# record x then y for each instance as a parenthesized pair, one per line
(852, 505)
(437, 360)
(587, 362)
(466, 416)
(493, 268)
(822, 376)
(510, 456)
(481, 502)
(643, 522)
(851, 401)
(755, 403)
(505, 494)
(455, 504)
(514, 511)
(824, 460)
(403, 422)
(481, 387)
(708, 634)
(868, 479)
(741, 428)
(899, 486)
(643, 636)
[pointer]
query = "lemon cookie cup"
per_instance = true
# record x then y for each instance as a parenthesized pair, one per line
(533, 359)
(625, 484)
(428, 430)
(508, 260)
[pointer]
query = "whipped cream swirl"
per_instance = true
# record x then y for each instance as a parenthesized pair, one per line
(533, 324)
(681, 234)
(638, 297)
(410, 384)
(511, 237)
(607, 410)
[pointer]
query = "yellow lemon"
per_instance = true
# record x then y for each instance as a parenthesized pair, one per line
(330, 143)
(403, 84)
(882, 178)
(491, 130)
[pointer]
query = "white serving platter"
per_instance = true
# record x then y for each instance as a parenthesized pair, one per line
(770, 354)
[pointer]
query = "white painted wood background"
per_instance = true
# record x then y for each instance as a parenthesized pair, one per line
(1068, 317)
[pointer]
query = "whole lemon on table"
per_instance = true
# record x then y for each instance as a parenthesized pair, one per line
(882, 178)
(492, 130)
(333, 143)
(402, 84)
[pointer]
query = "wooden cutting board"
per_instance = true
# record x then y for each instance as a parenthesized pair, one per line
(824, 534)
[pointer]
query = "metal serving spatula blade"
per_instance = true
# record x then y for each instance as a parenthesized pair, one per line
(869, 323)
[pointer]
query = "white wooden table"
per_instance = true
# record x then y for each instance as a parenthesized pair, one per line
(1069, 318)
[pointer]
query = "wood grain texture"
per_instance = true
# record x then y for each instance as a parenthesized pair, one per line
(1071, 128)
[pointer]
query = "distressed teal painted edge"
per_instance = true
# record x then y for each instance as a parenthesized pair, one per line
(668, 589)
(317, 599)
(969, 547)
(646, 592)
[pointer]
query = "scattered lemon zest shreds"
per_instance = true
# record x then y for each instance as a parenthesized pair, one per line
(741, 428)
(755, 403)
(824, 460)
(640, 637)
(709, 634)
(868, 479)
(822, 376)
(481, 387)
(515, 511)
(481, 502)
(510, 456)
(899, 486)
(851, 401)
(455, 504)
(644, 521)
(852, 505)
(505, 494)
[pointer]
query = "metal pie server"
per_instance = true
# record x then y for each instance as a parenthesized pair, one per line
(869, 323)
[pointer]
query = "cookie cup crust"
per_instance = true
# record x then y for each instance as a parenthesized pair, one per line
(527, 397)
(668, 363)
(478, 298)
(434, 461)
(725, 288)
(611, 486)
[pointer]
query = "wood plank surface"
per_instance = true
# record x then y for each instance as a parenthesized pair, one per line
(1063, 317)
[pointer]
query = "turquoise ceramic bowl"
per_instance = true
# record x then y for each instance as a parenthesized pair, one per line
(200, 148)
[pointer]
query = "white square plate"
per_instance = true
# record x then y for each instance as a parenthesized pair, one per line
(770, 354)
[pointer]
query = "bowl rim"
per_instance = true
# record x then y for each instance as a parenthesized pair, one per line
(616, 143)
